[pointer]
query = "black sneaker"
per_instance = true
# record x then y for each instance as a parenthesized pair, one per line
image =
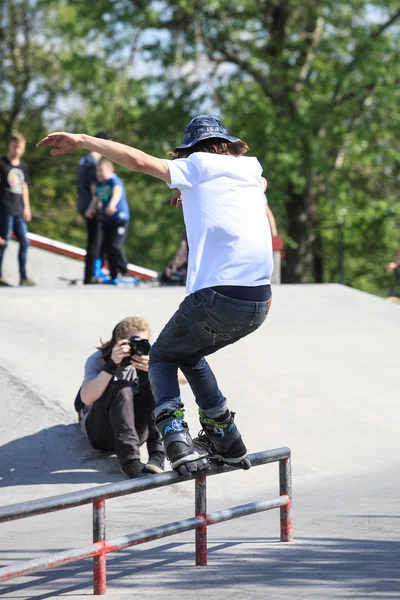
(222, 437)
(184, 456)
(132, 468)
(156, 462)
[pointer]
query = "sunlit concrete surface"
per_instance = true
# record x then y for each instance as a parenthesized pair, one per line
(321, 376)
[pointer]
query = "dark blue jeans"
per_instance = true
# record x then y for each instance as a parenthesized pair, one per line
(9, 224)
(205, 322)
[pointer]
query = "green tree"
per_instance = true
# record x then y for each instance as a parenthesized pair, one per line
(319, 85)
(62, 69)
(314, 87)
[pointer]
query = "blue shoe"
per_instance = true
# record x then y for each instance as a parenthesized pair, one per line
(97, 267)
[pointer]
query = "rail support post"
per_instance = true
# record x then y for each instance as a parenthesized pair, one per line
(201, 511)
(285, 489)
(99, 536)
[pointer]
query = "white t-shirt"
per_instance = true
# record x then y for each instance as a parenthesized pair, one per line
(228, 232)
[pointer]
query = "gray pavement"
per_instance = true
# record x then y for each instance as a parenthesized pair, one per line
(321, 376)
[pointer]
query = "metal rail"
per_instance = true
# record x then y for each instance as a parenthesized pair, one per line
(97, 496)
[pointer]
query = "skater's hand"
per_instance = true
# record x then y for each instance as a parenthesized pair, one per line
(140, 362)
(120, 351)
(27, 215)
(2, 241)
(392, 266)
(176, 200)
(65, 143)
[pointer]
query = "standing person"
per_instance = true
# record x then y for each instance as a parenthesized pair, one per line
(110, 192)
(228, 282)
(86, 184)
(176, 270)
(15, 209)
(394, 264)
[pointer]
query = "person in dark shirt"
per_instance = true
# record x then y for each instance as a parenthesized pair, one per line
(86, 184)
(15, 211)
(176, 270)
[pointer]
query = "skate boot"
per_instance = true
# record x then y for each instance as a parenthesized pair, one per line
(223, 439)
(185, 456)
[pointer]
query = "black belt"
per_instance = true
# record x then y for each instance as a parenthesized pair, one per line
(259, 293)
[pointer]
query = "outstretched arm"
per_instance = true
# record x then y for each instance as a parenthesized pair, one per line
(131, 158)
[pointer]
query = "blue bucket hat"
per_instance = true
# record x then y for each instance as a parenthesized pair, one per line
(204, 127)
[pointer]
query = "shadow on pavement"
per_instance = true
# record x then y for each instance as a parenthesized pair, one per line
(55, 455)
(339, 567)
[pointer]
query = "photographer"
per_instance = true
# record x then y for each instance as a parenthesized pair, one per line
(115, 402)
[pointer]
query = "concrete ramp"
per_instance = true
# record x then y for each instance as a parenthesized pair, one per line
(321, 376)
(44, 267)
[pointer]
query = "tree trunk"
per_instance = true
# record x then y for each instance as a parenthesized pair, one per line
(318, 259)
(304, 261)
(297, 267)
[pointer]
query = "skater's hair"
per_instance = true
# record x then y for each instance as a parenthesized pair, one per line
(213, 146)
(121, 331)
(17, 137)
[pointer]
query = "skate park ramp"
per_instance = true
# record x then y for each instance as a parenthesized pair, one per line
(321, 376)
(45, 268)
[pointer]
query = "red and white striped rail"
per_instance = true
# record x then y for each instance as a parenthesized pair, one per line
(39, 241)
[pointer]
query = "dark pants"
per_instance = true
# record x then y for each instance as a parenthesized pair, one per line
(94, 235)
(121, 421)
(204, 323)
(9, 224)
(114, 234)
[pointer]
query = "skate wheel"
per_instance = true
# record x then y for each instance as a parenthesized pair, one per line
(194, 466)
(245, 464)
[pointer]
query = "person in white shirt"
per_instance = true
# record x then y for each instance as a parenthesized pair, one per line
(228, 280)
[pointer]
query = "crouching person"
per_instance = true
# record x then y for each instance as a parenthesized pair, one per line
(115, 401)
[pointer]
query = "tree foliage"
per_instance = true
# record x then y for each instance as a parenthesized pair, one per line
(313, 88)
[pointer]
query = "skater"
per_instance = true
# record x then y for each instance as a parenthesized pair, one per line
(15, 210)
(228, 281)
(115, 402)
